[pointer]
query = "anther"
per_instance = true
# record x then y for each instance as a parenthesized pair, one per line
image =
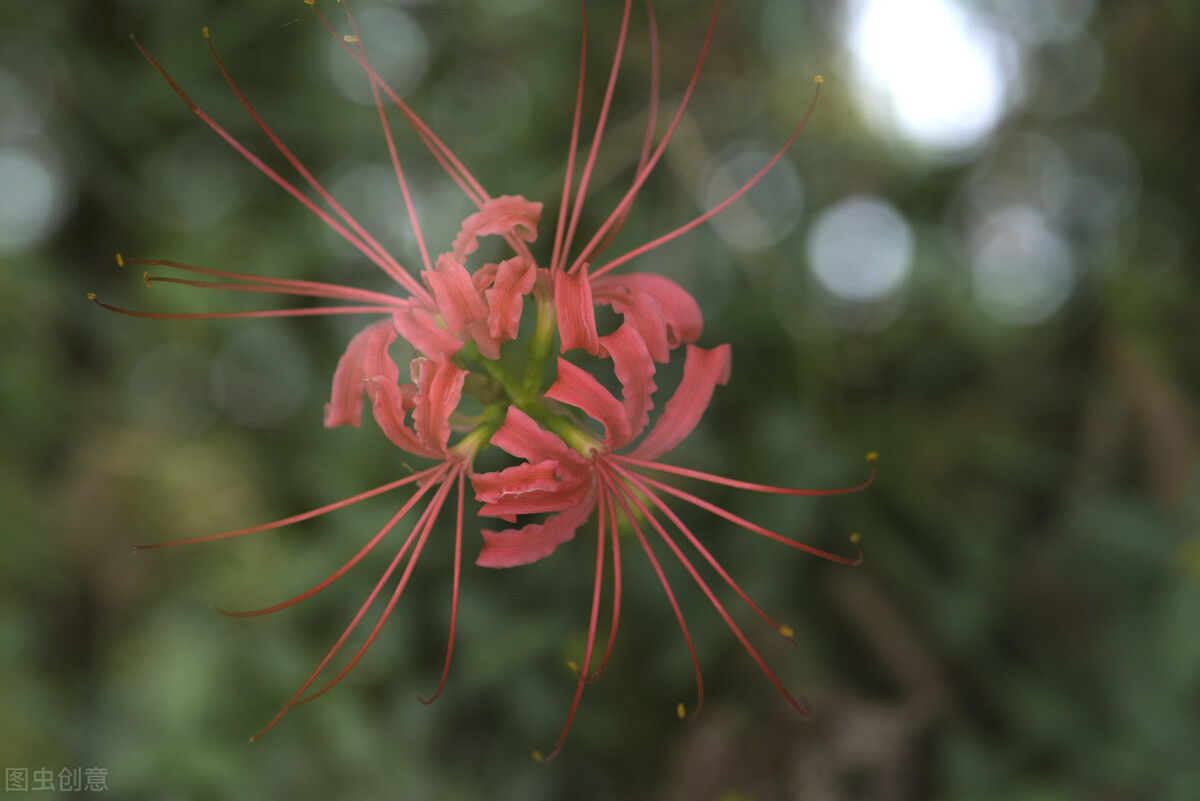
(120, 260)
(681, 711)
(350, 38)
(146, 279)
(854, 538)
(872, 456)
(819, 79)
(204, 31)
(91, 296)
(787, 631)
(573, 666)
(538, 756)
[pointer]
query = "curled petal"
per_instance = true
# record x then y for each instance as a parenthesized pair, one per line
(507, 214)
(514, 280)
(579, 388)
(523, 438)
(536, 541)
(635, 371)
(391, 405)
(702, 371)
(366, 357)
(439, 388)
(515, 481)
(457, 299)
(664, 312)
(420, 329)
(576, 316)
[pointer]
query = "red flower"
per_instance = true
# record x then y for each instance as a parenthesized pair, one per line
(458, 320)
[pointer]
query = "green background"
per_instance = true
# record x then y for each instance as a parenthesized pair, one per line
(1027, 623)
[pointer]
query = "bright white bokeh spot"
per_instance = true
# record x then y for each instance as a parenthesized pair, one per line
(1023, 269)
(764, 215)
(33, 196)
(860, 249)
(930, 70)
(398, 48)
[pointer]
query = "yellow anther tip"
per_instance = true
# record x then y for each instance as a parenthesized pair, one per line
(873, 456)
(537, 756)
(573, 666)
(819, 79)
(350, 38)
(681, 711)
(120, 260)
(310, 2)
(787, 631)
(91, 296)
(204, 31)
(854, 538)
(146, 279)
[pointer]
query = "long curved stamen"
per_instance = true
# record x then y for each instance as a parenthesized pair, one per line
(313, 312)
(647, 138)
(564, 204)
(458, 535)
(287, 521)
(757, 529)
(441, 152)
(438, 149)
(352, 561)
(871, 458)
(622, 498)
(585, 176)
(593, 620)
(642, 487)
(631, 193)
(418, 535)
(606, 502)
(717, 209)
(409, 207)
(397, 272)
(256, 283)
(712, 598)
(389, 266)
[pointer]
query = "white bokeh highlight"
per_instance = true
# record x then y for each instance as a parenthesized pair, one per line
(860, 250)
(930, 71)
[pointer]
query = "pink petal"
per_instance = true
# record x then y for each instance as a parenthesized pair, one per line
(579, 388)
(391, 405)
(458, 301)
(420, 329)
(484, 277)
(702, 371)
(439, 388)
(635, 371)
(365, 357)
(494, 487)
(514, 280)
(644, 298)
(523, 438)
(576, 315)
(536, 541)
(507, 214)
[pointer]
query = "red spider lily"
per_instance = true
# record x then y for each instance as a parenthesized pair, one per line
(457, 320)
(589, 475)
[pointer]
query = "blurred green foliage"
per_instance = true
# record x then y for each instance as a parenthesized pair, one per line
(1027, 624)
